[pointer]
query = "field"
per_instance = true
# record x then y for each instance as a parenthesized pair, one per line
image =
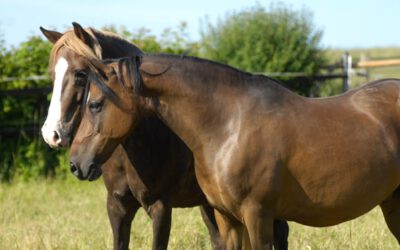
(72, 215)
(68, 214)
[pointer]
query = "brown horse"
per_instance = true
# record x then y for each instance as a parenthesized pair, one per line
(261, 152)
(152, 169)
(155, 174)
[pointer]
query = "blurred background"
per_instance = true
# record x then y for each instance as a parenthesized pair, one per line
(315, 48)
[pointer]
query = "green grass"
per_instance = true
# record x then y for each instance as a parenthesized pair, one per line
(72, 215)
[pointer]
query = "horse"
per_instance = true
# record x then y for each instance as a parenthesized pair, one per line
(152, 169)
(261, 151)
(133, 175)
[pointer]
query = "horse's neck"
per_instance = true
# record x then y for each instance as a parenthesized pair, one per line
(200, 108)
(183, 116)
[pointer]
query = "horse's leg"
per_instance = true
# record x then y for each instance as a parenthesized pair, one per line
(230, 231)
(281, 234)
(121, 210)
(391, 211)
(207, 213)
(160, 212)
(260, 226)
(245, 239)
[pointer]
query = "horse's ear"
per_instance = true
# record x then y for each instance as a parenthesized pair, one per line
(52, 36)
(83, 35)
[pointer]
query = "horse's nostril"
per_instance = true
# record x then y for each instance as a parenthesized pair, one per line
(56, 136)
(75, 170)
(58, 140)
(72, 167)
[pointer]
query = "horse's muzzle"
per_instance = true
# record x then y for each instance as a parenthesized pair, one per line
(55, 138)
(93, 172)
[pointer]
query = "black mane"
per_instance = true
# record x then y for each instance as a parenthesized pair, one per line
(114, 46)
(192, 59)
(131, 64)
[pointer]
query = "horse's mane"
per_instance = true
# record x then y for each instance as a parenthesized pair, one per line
(190, 61)
(71, 41)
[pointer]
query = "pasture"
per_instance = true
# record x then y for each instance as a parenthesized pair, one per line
(72, 215)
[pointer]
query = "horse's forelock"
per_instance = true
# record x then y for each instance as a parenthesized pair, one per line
(98, 77)
(138, 83)
(71, 41)
(78, 46)
(132, 65)
(129, 74)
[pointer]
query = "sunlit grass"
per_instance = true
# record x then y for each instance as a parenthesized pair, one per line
(72, 215)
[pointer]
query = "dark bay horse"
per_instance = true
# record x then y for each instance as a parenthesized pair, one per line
(152, 169)
(261, 152)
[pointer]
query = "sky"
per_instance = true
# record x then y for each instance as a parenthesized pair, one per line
(345, 23)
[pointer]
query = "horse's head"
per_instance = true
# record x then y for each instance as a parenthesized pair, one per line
(69, 67)
(69, 72)
(112, 110)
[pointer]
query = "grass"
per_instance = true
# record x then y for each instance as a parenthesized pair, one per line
(72, 215)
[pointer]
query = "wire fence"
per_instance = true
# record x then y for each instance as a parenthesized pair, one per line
(344, 70)
(28, 78)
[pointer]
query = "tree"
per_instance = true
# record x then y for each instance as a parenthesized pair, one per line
(172, 40)
(22, 154)
(262, 40)
(26, 156)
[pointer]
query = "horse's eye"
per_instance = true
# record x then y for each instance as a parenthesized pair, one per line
(80, 77)
(95, 106)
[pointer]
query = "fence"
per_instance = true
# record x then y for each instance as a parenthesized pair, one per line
(13, 129)
(343, 70)
(344, 67)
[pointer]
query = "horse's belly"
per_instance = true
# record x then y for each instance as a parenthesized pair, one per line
(327, 202)
(326, 216)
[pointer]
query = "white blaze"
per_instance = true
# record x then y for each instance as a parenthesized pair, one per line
(88, 98)
(54, 114)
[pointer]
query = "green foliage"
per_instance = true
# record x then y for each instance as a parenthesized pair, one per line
(145, 40)
(277, 39)
(24, 155)
(23, 152)
(172, 41)
(30, 58)
(262, 40)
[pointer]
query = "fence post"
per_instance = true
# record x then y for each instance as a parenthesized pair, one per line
(347, 64)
